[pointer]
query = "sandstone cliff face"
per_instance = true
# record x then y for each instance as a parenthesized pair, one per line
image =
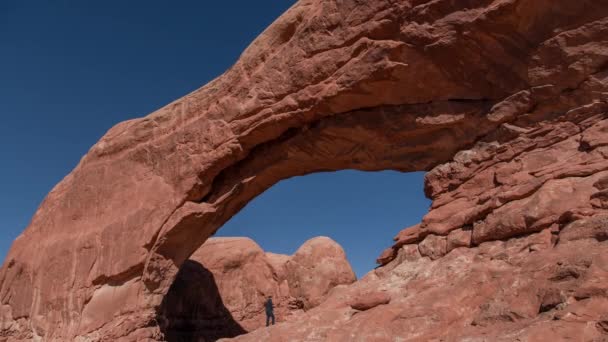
(503, 101)
(220, 291)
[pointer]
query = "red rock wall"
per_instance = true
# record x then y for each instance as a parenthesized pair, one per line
(518, 87)
(541, 177)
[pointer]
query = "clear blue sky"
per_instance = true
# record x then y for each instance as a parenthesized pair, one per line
(71, 69)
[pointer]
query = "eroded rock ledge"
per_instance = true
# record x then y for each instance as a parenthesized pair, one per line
(543, 176)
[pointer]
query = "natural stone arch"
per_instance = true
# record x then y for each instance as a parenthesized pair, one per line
(330, 85)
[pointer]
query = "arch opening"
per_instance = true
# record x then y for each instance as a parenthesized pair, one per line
(372, 139)
(402, 138)
(273, 247)
(201, 159)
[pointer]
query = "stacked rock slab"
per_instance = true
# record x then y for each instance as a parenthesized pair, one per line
(220, 291)
(543, 178)
(503, 101)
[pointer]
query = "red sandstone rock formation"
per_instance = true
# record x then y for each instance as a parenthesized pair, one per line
(220, 291)
(525, 288)
(316, 268)
(503, 101)
(544, 177)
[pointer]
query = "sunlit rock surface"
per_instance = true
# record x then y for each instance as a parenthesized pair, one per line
(502, 101)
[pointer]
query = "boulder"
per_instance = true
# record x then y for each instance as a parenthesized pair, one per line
(317, 267)
(369, 300)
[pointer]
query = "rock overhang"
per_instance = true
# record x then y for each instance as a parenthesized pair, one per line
(396, 85)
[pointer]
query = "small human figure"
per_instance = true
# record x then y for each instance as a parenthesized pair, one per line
(269, 311)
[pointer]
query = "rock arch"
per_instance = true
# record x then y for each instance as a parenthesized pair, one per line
(402, 85)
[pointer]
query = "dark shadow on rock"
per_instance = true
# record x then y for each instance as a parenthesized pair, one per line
(193, 310)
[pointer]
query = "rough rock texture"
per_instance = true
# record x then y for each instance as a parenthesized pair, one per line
(543, 177)
(521, 289)
(220, 291)
(503, 100)
(316, 268)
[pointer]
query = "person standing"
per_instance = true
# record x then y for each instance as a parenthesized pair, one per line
(269, 311)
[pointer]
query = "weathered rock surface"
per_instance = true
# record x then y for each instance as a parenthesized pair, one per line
(220, 291)
(495, 191)
(521, 289)
(316, 268)
(503, 101)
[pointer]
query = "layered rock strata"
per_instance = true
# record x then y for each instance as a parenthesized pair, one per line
(544, 177)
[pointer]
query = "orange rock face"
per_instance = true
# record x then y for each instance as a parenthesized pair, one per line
(504, 102)
(220, 291)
